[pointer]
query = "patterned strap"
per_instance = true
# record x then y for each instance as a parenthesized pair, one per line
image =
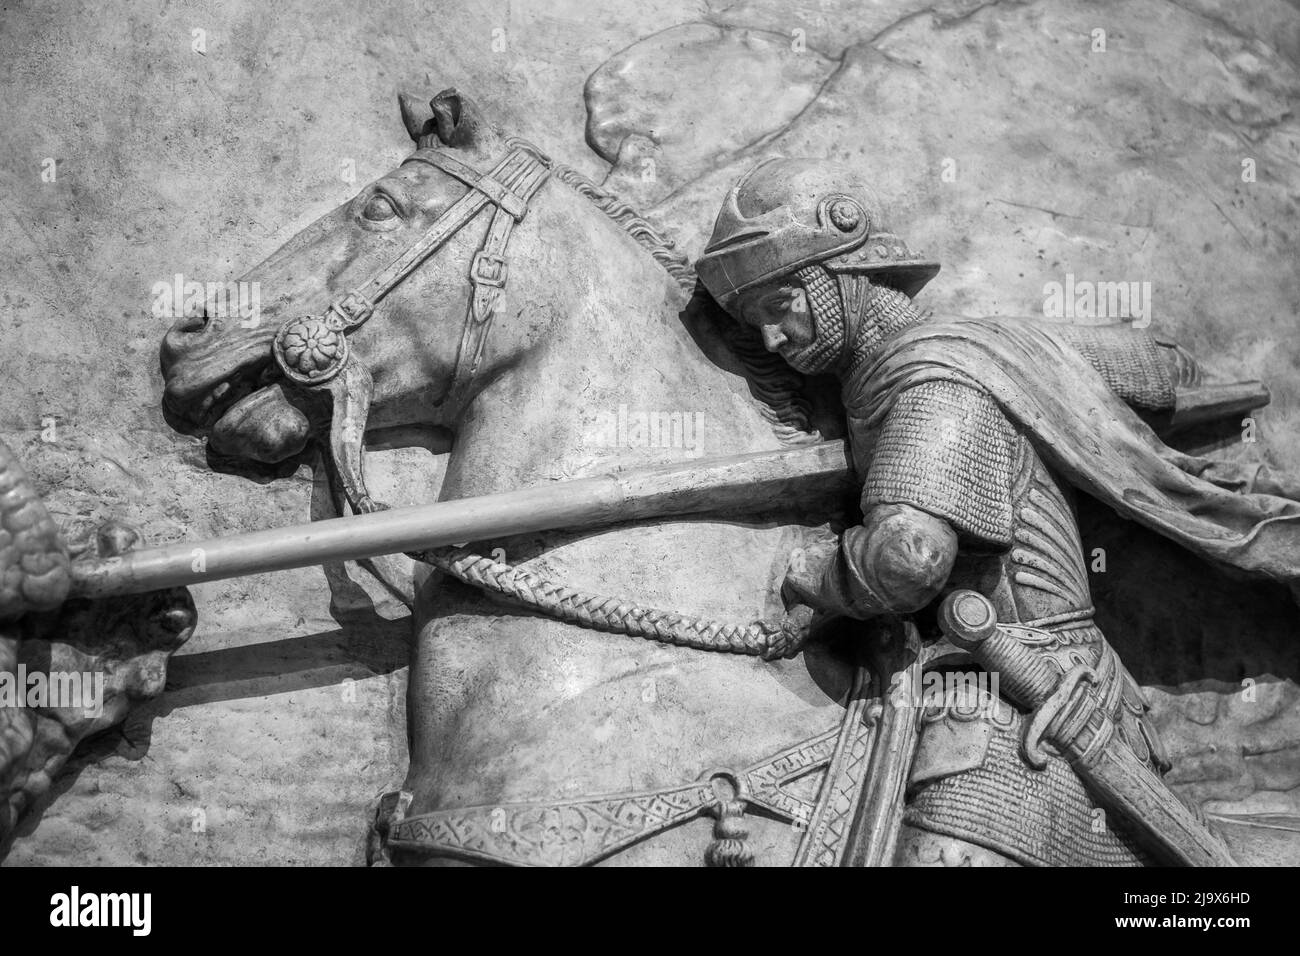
(583, 831)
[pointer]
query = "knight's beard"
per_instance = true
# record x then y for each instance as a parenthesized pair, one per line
(816, 358)
(865, 319)
(825, 305)
(822, 354)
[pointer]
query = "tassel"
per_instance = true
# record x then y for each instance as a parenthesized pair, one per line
(729, 832)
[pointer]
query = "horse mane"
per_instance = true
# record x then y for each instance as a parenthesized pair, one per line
(777, 388)
(663, 249)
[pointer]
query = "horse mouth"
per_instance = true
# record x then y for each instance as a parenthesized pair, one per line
(224, 395)
(247, 413)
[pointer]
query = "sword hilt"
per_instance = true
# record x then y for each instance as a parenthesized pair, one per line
(970, 622)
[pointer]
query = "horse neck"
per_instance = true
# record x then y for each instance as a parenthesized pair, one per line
(615, 385)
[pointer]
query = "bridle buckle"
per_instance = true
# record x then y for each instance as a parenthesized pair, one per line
(489, 269)
(352, 309)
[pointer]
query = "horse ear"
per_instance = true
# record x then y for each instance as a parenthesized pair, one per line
(416, 114)
(448, 111)
(459, 122)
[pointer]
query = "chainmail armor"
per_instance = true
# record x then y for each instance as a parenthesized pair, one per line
(1129, 360)
(1036, 817)
(948, 450)
(847, 304)
(876, 313)
(829, 331)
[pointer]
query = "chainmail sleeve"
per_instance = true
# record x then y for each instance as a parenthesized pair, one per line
(948, 450)
(1131, 361)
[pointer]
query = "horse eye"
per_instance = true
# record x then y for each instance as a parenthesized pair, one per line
(379, 208)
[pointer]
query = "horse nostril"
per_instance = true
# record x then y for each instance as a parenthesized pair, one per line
(192, 323)
(184, 334)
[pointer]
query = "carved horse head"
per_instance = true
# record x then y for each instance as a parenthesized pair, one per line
(222, 379)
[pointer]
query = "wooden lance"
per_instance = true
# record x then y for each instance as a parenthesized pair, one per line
(746, 483)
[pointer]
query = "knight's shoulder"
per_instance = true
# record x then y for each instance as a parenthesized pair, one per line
(956, 404)
(967, 329)
(947, 448)
(978, 323)
(933, 413)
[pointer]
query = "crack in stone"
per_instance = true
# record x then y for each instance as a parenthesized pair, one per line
(1056, 213)
(586, 84)
(942, 22)
(1228, 220)
(712, 12)
(763, 139)
(1241, 136)
(785, 127)
(773, 33)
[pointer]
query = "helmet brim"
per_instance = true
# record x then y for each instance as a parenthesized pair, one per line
(908, 277)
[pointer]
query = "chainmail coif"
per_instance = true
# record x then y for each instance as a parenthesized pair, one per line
(850, 305)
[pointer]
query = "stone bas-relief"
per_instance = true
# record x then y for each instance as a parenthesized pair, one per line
(567, 701)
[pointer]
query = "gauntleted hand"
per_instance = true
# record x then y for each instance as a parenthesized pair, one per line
(805, 574)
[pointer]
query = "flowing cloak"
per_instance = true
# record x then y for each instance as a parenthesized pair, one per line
(1093, 440)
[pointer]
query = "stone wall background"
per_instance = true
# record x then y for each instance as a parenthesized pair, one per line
(279, 725)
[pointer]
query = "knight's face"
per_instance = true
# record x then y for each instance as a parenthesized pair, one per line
(779, 312)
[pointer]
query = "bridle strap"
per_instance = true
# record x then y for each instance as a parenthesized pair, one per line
(508, 187)
(488, 185)
(489, 269)
(354, 308)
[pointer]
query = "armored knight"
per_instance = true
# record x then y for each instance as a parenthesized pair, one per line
(970, 437)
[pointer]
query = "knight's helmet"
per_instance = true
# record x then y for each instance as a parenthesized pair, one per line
(786, 214)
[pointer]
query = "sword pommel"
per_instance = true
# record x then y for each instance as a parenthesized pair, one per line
(967, 618)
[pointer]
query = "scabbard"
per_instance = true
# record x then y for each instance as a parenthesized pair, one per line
(1127, 785)
(1067, 713)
